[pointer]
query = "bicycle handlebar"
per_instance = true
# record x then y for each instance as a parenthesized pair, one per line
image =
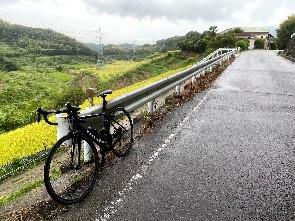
(45, 115)
(70, 110)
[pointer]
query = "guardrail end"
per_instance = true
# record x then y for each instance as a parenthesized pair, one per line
(177, 89)
(151, 106)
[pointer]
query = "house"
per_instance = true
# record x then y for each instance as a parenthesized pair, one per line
(253, 33)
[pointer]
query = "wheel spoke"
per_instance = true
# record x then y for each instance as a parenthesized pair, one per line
(121, 130)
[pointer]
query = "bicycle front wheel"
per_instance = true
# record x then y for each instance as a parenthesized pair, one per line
(71, 169)
(122, 132)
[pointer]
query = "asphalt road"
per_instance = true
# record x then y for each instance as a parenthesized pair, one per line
(226, 155)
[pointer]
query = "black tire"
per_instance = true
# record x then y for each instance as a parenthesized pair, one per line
(67, 181)
(122, 132)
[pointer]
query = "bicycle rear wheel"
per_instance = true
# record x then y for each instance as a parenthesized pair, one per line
(122, 132)
(68, 177)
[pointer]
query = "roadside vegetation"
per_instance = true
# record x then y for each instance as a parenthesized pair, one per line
(286, 29)
(259, 43)
(286, 37)
(243, 44)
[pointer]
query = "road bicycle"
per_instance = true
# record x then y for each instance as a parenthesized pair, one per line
(72, 166)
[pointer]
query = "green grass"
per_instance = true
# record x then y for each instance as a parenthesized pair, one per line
(168, 62)
(22, 92)
(21, 192)
(60, 76)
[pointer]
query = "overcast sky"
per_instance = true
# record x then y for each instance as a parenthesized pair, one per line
(142, 21)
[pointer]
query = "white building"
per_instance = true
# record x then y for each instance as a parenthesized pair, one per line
(252, 33)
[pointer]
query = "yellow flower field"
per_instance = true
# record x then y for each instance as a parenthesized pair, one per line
(32, 138)
(26, 141)
(133, 87)
(113, 69)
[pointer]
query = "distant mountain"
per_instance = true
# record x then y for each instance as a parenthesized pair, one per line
(129, 46)
(162, 45)
(92, 46)
(40, 41)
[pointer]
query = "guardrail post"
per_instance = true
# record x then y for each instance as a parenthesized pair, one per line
(63, 126)
(177, 88)
(151, 106)
(193, 79)
(210, 68)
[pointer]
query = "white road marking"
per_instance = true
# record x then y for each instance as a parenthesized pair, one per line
(111, 209)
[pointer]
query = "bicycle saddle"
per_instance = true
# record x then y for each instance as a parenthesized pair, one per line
(104, 93)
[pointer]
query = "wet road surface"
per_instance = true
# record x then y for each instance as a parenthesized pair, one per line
(226, 155)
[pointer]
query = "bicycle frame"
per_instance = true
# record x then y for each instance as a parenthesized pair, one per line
(103, 138)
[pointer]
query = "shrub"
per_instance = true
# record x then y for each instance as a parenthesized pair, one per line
(243, 44)
(8, 65)
(273, 46)
(209, 51)
(59, 68)
(259, 43)
(74, 95)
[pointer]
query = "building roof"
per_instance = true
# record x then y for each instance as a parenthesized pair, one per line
(249, 30)
(255, 29)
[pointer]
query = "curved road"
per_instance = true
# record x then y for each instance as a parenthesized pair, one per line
(226, 155)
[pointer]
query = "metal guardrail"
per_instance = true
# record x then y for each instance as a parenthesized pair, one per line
(138, 98)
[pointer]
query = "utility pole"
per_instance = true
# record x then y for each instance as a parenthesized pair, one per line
(133, 46)
(100, 59)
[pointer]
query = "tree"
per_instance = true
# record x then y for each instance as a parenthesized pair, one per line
(259, 43)
(207, 41)
(290, 50)
(192, 41)
(213, 30)
(287, 28)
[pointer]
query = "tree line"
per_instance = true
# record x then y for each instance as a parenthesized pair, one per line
(41, 41)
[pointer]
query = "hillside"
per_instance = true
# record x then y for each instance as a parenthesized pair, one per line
(17, 40)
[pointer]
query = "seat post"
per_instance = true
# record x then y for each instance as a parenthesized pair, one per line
(104, 103)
